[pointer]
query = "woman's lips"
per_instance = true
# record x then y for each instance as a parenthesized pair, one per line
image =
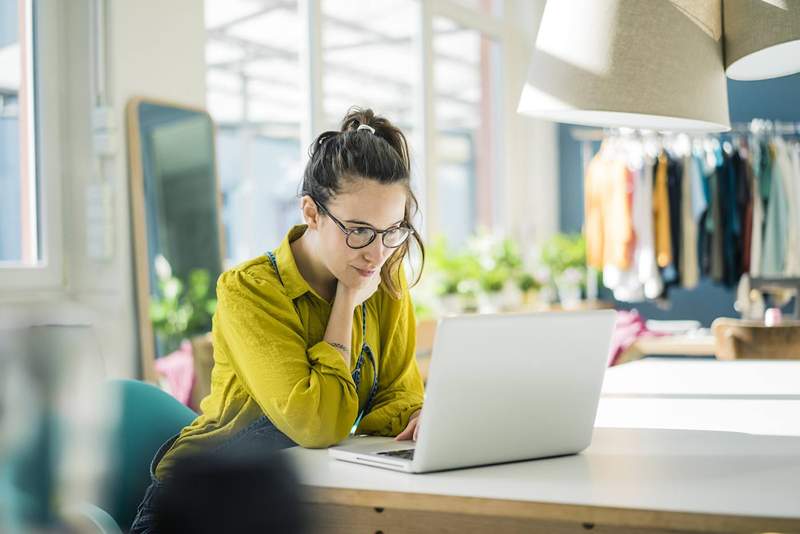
(365, 273)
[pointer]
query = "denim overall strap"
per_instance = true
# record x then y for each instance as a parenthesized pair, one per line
(274, 263)
(365, 351)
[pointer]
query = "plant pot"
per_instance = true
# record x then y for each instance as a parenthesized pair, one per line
(451, 304)
(569, 295)
(491, 302)
(530, 298)
(512, 298)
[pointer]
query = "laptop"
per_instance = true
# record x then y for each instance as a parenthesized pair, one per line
(501, 388)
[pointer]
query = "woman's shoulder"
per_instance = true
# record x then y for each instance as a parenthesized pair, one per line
(255, 275)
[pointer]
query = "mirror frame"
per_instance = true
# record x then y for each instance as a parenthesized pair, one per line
(138, 220)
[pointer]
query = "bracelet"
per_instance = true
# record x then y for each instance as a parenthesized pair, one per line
(339, 346)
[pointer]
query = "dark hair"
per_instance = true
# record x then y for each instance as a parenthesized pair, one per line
(350, 154)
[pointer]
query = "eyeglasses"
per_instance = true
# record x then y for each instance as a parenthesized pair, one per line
(361, 236)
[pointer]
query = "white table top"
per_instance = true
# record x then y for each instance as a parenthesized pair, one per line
(730, 456)
(670, 377)
(649, 469)
(766, 417)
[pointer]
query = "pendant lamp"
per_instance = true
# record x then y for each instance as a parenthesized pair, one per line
(626, 63)
(762, 38)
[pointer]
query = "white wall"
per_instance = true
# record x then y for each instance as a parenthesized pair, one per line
(531, 145)
(155, 49)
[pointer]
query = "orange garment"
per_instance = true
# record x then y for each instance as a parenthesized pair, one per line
(608, 226)
(661, 220)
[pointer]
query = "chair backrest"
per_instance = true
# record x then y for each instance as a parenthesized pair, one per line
(148, 418)
(740, 339)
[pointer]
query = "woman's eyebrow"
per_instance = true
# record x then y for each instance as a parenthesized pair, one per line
(355, 221)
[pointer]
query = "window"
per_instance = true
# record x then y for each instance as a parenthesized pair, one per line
(254, 96)
(369, 57)
(19, 225)
(467, 82)
(30, 157)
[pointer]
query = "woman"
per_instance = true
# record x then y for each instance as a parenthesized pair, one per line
(315, 340)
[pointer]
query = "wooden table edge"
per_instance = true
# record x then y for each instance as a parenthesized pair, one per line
(545, 511)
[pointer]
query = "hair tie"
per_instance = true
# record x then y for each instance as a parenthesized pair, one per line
(366, 127)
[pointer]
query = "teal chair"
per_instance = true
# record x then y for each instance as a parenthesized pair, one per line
(148, 418)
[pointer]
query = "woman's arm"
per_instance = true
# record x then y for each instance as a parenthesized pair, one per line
(339, 331)
(307, 392)
(400, 388)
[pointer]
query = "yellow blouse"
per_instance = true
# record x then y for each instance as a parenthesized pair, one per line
(270, 359)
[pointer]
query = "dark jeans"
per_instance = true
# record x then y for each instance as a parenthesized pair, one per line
(260, 435)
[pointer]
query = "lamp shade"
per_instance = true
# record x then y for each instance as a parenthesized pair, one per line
(762, 38)
(625, 63)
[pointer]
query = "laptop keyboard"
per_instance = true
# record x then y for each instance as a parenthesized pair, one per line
(406, 454)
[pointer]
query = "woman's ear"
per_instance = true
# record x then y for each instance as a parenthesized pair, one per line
(310, 212)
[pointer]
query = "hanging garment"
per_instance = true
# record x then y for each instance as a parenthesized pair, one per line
(691, 209)
(706, 221)
(608, 225)
(661, 214)
(671, 274)
(775, 235)
(732, 213)
(747, 221)
(794, 153)
(645, 253)
(716, 229)
(642, 280)
(790, 228)
(743, 196)
(758, 155)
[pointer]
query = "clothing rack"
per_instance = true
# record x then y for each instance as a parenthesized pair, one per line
(759, 131)
(756, 126)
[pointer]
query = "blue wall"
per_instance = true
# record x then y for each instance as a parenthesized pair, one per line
(776, 99)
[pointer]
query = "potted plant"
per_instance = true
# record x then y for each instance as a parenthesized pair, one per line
(180, 310)
(492, 284)
(565, 256)
(499, 261)
(528, 286)
(454, 276)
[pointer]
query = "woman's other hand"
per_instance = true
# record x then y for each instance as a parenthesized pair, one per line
(411, 429)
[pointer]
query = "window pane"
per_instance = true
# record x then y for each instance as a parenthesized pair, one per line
(368, 54)
(467, 83)
(254, 96)
(19, 243)
(370, 61)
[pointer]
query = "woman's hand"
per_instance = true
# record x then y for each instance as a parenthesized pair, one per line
(354, 296)
(411, 429)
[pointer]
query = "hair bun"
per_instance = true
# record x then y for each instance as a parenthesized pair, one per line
(356, 118)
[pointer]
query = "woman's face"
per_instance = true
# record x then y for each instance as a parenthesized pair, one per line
(362, 202)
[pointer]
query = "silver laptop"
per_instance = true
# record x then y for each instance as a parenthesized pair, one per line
(502, 388)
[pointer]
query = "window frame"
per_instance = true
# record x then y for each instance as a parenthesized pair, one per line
(43, 37)
(497, 28)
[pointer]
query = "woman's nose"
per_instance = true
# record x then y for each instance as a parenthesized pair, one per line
(375, 252)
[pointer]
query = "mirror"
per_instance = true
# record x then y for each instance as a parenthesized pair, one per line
(175, 205)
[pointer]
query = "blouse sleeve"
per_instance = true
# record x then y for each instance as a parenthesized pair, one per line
(307, 392)
(400, 389)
